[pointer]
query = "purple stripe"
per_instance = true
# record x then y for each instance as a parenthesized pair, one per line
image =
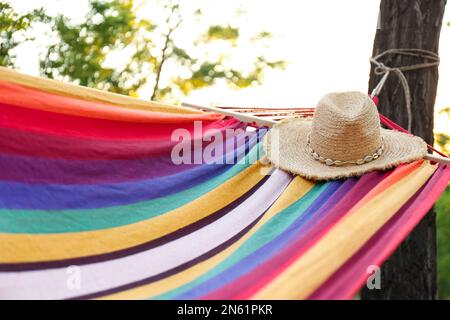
(101, 276)
(351, 276)
(36, 170)
(87, 196)
(334, 190)
(5, 267)
(300, 236)
(19, 142)
(175, 270)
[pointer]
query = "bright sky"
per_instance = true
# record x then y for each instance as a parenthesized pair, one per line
(327, 44)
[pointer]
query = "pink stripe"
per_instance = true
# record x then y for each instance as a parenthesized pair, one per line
(99, 276)
(302, 245)
(259, 277)
(347, 281)
(392, 125)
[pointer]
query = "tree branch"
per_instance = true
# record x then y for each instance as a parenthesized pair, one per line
(164, 53)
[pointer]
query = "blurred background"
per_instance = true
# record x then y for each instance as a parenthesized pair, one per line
(229, 53)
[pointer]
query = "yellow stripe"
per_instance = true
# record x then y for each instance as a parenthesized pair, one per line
(89, 94)
(296, 189)
(305, 275)
(17, 248)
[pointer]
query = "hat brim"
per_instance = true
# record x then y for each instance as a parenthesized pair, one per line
(286, 147)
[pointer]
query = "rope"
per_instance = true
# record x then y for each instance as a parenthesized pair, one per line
(382, 69)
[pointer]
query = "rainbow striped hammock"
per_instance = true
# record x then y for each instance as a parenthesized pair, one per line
(92, 206)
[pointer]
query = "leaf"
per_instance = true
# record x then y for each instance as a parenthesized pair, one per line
(443, 141)
(112, 27)
(218, 32)
(14, 26)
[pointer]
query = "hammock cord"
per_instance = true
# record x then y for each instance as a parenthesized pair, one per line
(431, 58)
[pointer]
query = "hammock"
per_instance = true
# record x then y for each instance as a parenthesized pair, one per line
(87, 185)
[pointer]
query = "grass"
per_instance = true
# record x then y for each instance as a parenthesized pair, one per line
(443, 238)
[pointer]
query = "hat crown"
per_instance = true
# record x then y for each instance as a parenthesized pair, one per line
(346, 127)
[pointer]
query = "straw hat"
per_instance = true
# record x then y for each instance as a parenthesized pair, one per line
(343, 139)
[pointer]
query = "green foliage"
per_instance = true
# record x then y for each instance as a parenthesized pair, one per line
(443, 237)
(204, 72)
(82, 49)
(218, 32)
(443, 139)
(209, 73)
(13, 31)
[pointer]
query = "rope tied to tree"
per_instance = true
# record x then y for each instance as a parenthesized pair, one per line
(432, 60)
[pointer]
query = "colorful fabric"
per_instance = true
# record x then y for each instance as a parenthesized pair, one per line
(88, 187)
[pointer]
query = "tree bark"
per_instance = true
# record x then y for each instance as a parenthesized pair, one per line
(410, 273)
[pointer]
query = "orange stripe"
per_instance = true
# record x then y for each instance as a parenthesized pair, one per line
(21, 96)
(88, 94)
(399, 173)
(303, 274)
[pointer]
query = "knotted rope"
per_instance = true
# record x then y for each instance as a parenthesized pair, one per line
(381, 69)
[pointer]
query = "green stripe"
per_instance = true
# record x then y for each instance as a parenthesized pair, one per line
(266, 233)
(60, 221)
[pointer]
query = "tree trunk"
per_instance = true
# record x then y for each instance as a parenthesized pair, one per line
(410, 273)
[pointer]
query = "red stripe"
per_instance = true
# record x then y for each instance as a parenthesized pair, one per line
(392, 125)
(348, 280)
(81, 127)
(21, 96)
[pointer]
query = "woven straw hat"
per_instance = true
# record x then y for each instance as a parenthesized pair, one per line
(343, 139)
